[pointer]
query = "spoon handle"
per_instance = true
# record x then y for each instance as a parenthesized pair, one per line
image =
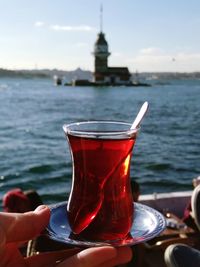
(140, 115)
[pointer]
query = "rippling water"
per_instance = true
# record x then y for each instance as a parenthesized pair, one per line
(34, 152)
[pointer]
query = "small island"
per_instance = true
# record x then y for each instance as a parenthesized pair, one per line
(103, 74)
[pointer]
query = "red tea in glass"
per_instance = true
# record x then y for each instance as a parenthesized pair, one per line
(100, 205)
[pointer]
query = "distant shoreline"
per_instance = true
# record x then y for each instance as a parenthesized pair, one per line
(85, 74)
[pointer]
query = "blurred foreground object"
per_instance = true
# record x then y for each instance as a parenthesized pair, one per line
(20, 201)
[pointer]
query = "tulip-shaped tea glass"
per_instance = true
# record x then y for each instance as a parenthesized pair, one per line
(100, 205)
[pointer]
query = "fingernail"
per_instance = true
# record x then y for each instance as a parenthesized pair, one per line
(40, 208)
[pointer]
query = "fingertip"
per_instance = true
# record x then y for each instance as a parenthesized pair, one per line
(97, 255)
(124, 254)
(105, 251)
(129, 253)
(41, 209)
(44, 213)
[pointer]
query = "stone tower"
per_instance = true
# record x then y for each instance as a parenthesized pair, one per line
(101, 54)
(103, 74)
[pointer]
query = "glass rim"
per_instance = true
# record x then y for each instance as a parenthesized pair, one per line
(90, 133)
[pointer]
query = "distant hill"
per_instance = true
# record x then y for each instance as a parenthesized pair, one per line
(47, 73)
(88, 75)
(171, 75)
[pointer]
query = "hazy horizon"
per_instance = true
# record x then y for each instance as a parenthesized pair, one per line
(74, 70)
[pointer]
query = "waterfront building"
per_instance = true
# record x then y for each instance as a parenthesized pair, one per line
(103, 74)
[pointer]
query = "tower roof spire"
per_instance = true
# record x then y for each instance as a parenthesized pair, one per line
(101, 18)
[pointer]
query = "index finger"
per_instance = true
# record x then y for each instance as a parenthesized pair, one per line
(24, 226)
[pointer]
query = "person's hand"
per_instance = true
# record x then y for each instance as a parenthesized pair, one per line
(15, 228)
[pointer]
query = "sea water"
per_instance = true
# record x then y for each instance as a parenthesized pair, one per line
(34, 153)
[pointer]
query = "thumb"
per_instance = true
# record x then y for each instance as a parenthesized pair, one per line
(21, 227)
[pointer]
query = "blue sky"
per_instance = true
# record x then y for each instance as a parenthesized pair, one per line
(145, 35)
